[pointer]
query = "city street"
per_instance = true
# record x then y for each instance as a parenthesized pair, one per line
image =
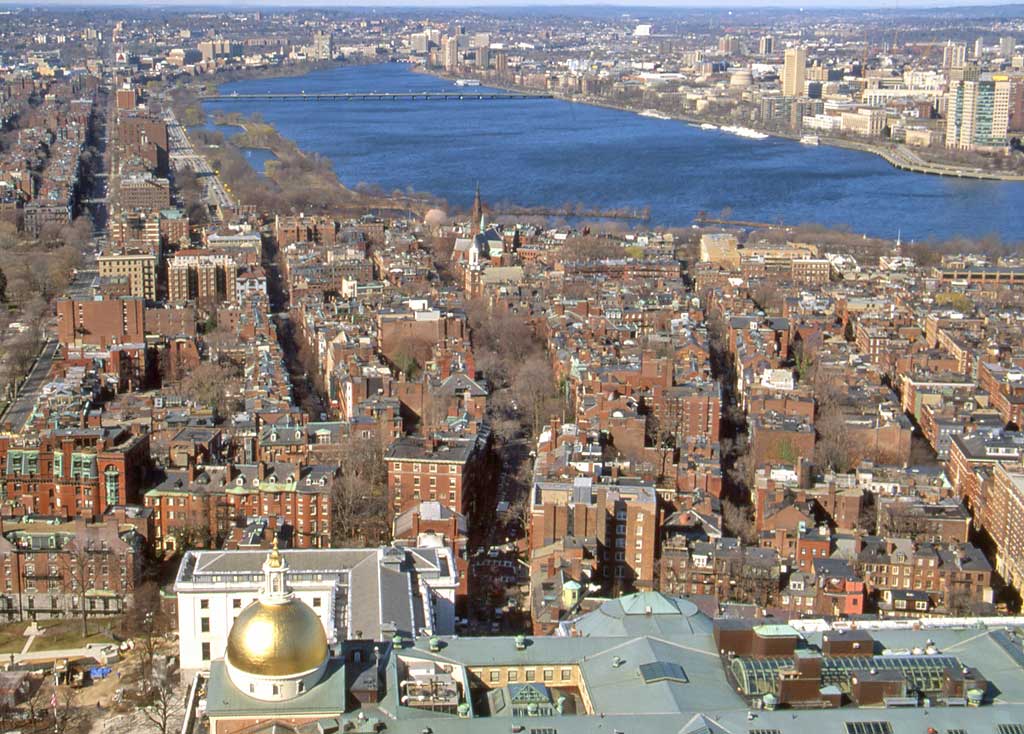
(183, 156)
(19, 411)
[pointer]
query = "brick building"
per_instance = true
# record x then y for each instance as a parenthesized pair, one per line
(147, 193)
(434, 469)
(145, 137)
(431, 522)
(136, 228)
(688, 410)
(1001, 513)
(204, 277)
(52, 570)
(73, 472)
(953, 579)
(620, 519)
(100, 322)
(781, 440)
(723, 569)
(200, 505)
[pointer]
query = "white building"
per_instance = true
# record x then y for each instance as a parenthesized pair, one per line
(358, 593)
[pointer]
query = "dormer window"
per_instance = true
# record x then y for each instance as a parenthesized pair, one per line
(240, 481)
(255, 481)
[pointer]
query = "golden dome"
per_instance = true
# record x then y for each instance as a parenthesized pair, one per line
(276, 640)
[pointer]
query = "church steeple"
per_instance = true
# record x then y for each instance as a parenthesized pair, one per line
(476, 216)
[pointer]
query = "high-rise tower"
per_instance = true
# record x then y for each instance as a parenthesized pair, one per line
(794, 72)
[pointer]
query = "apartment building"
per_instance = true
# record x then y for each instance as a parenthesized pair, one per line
(620, 518)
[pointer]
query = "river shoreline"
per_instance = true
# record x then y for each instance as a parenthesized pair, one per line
(893, 155)
(290, 168)
(789, 185)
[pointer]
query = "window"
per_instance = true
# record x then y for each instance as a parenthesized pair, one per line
(868, 727)
(316, 601)
(276, 689)
(566, 673)
(204, 624)
(495, 676)
(549, 674)
(531, 674)
(111, 484)
(513, 676)
(206, 651)
(236, 603)
(204, 603)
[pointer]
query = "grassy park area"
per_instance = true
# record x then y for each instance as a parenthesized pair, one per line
(56, 634)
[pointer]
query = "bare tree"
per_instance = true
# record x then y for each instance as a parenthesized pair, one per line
(77, 563)
(738, 519)
(164, 708)
(833, 449)
(67, 716)
(577, 249)
(663, 436)
(533, 386)
(209, 385)
(146, 624)
(359, 493)
(194, 533)
(959, 600)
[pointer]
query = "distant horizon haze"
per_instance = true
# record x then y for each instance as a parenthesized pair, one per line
(492, 4)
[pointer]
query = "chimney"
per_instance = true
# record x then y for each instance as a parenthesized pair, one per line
(261, 470)
(190, 468)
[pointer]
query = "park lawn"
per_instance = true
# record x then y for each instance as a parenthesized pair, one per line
(64, 634)
(12, 637)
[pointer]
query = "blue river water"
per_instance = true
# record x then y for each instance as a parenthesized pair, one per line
(256, 157)
(546, 152)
